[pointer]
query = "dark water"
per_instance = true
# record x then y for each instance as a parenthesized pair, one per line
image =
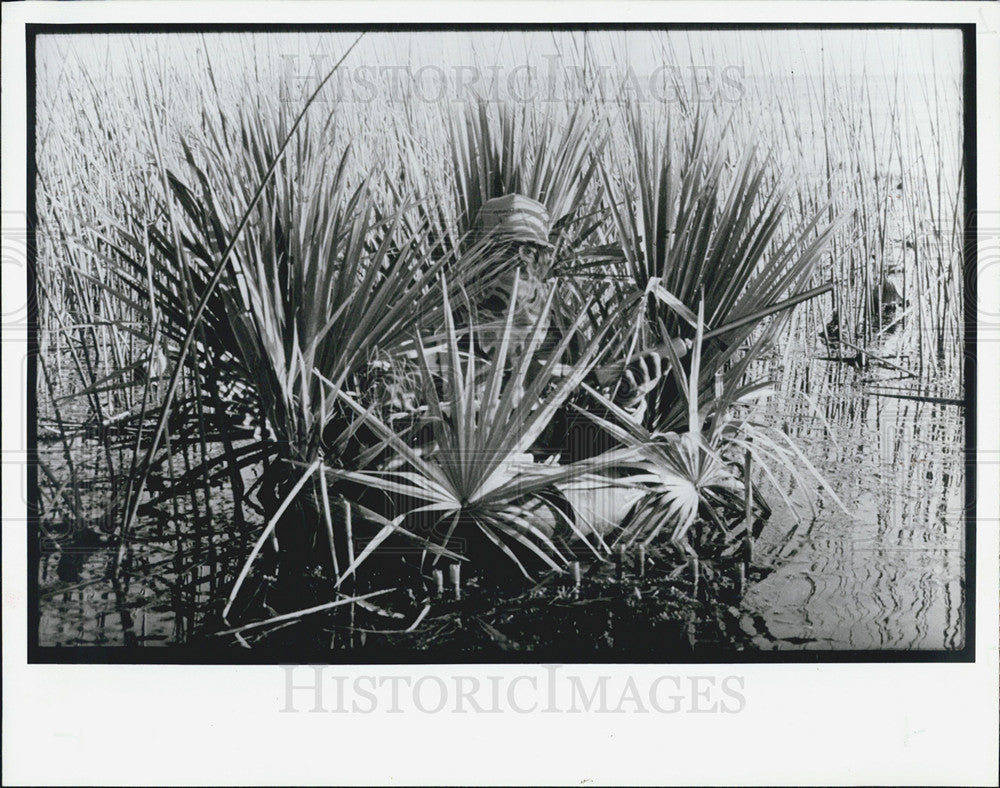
(91, 612)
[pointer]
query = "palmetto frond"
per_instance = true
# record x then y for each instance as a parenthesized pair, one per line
(503, 149)
(475, 475)
(323, 279)
(694, 227)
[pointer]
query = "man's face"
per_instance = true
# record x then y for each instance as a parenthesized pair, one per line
(527, 255)
(532, 258)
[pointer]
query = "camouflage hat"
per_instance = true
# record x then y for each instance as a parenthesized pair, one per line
(515, 218)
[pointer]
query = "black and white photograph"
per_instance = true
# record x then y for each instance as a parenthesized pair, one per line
(599, 344)
(517, 344)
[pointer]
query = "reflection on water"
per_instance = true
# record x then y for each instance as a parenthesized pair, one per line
(173, 574)
(889, 574)
(91, 613)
